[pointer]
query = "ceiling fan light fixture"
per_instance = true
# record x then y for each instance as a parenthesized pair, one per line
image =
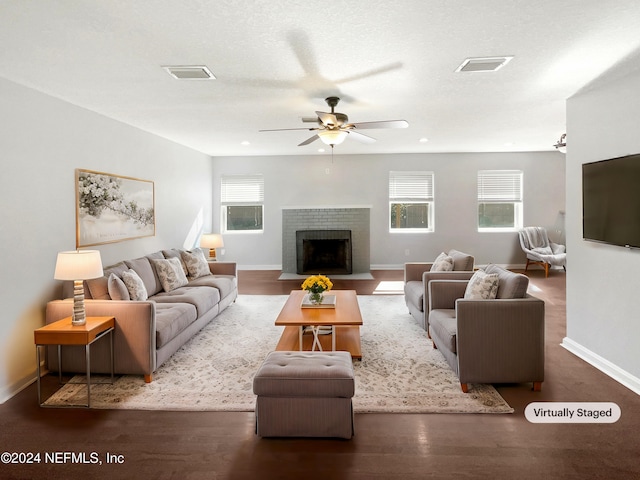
(561, 145)
(332, 137)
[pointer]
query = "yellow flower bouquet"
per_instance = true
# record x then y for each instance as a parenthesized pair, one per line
(316, 285)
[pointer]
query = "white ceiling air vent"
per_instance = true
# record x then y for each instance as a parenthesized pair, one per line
(483, 64)
(190, 72)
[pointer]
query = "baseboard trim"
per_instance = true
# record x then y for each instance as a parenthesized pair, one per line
(16, 387)
(259, 267)
(602, 364)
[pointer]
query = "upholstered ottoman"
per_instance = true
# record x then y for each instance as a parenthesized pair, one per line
(305, 394)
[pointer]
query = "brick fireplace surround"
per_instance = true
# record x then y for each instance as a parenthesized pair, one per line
(356, 219)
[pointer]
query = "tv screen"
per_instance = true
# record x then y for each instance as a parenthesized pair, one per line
(611, 201)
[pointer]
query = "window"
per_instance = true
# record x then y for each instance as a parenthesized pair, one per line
(411, 201)
(242, 198)
(499, 200)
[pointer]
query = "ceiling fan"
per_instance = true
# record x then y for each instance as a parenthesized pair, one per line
(334, 127)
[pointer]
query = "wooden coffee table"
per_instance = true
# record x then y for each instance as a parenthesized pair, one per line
(345, 320)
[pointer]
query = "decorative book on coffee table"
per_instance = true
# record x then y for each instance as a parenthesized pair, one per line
(329, 301)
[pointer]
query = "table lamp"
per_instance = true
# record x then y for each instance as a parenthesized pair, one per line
(78, 265)
(211, 241)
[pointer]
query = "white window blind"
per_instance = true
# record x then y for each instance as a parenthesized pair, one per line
(242, 189)
(499, 186)
(411, 186)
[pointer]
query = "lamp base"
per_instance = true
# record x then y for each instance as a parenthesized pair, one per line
(79, 317)
(212, 255)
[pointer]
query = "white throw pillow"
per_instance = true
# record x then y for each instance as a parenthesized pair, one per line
(197, 265)
(117, 289)
(170, 273)
(442, 263)
(482, 286)
(135, 285)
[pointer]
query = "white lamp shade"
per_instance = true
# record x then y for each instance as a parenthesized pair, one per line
(332, 137)
(211, 240)
(78, 265)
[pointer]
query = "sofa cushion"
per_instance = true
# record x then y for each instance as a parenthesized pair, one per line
(135, 285)
(145, 271)
(99, 287)
(414, 293)
(170, 273)
(511, 284)
(482, 286)
(117, 288)
(444, 326)
(171, 319)
(203, 298)
(196, 263)
(225, 284)
(442, 263)
(461, 261)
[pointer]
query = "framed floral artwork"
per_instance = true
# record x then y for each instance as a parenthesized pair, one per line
(112, 208)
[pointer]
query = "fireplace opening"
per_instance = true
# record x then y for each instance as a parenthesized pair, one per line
(323, 251)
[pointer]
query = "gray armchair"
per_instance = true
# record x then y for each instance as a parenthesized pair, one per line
(497, 340)
(539, 250)
(416, 280)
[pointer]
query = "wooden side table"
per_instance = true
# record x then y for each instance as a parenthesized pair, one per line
(63, 332)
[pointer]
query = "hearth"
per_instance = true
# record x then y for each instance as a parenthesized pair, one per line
(323, 251)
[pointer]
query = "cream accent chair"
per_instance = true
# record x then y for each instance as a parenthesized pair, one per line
(489, 341)
(540, 250)
(416, 281)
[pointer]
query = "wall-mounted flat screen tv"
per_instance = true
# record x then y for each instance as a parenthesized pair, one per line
(611, 201)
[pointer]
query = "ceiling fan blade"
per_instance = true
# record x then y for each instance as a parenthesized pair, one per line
(360, 137)
(286, 129)
(327, 118)
(308, 141)
(381, 124)
(370, 73)
(309, 119)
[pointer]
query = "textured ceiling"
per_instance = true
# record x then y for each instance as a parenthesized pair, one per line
(276, 62)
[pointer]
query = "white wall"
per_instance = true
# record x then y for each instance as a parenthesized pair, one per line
(603, 310)
(42, 141)
(362, 180)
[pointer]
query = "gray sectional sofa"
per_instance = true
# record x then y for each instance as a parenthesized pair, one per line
(159, 302)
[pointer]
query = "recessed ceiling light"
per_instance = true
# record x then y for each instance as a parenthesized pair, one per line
(245, 143)
(321, 150)
(424, 140)
(483, 64)
(189, 72)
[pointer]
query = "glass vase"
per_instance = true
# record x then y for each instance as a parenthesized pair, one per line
(316, 298)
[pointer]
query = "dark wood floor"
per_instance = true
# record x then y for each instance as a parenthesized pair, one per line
(213, 445)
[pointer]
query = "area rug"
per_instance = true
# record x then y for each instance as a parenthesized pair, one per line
(400, 371)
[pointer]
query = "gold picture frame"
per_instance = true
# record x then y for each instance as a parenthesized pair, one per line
(112, 208)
